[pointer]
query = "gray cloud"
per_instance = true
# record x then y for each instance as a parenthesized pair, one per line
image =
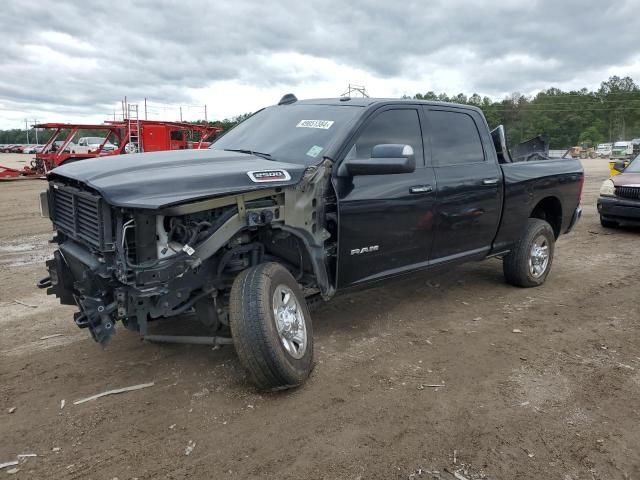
(85, 55)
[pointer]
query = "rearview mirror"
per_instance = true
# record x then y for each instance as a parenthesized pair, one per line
(619, 166)
(385, 159)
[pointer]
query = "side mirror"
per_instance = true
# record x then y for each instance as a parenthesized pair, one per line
(619, 166)
(385, 159)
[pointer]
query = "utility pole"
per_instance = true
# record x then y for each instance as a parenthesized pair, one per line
(180, 112)
(35, 122)
(205, 115)
(145, 108)
(26, 127)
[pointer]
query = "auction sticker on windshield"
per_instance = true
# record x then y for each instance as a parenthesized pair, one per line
(314, 151)
(322, 124)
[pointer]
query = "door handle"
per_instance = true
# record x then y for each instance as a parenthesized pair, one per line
(490, 181)
(421, 189)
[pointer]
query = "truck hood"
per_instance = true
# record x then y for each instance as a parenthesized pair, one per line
(626, 179)
(159, 179)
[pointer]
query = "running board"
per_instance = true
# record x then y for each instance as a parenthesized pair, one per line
(188, 339)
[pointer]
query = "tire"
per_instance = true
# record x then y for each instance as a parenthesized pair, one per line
(516, 265)
(608, 223)
(273, 362)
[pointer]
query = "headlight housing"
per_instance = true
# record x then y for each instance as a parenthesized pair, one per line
(607, 189)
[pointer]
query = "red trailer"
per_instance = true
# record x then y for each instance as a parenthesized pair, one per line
(120, 137)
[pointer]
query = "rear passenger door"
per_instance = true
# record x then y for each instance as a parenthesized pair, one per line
(470, 187)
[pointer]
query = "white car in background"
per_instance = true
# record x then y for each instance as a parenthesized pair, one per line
(91, 144)
(604, 149)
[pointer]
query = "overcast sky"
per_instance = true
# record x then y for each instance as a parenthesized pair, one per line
(75, 60)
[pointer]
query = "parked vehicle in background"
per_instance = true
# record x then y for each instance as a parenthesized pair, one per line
(57, 145)
(300, 201)
(584, 150)
(604, 150)
(619, 201)
(32, 149)
(622, 149)
(128, 136)
(92, 145)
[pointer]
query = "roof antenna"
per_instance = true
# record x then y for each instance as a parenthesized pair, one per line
(361, 89)
(288, 99)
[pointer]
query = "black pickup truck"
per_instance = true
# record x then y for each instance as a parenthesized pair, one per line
(302, 200)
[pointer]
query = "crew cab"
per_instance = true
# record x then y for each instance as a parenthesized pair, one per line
(300, 202)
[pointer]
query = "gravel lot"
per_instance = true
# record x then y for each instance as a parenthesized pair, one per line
(559, 400)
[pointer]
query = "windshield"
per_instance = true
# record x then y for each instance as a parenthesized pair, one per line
(634, 167)
(94, 140)
(298, 133)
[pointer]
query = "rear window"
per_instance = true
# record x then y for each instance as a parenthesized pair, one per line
(455, 139)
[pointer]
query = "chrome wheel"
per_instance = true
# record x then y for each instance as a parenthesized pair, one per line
(539, 257)
(290, 321)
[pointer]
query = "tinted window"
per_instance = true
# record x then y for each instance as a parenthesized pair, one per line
(454, 139)
(296, 133)
(634, 167)
(176, 135)
(390, 126)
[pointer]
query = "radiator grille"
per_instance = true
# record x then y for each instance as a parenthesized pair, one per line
(628, 192)
(82, 216)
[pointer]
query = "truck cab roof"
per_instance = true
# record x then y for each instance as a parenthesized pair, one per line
(370, 102)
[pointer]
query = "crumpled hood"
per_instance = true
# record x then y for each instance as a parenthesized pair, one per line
(159, 179)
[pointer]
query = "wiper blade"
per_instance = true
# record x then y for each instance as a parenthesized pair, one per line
(249, 152)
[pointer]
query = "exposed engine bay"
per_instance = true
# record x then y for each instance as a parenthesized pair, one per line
(136, 265)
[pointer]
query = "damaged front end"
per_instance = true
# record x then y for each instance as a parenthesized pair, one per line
(136, 265)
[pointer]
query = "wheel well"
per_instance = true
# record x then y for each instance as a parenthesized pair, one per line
(289, 249)
(550, 210)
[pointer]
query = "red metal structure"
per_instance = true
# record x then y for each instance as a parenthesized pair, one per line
(128, 136)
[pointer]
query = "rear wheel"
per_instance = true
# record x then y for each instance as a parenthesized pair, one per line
(529, 263)
(608, 223)
(271, 327)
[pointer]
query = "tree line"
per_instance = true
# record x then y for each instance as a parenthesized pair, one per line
(608, 114)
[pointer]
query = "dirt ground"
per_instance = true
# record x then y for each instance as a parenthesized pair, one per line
(558, 400)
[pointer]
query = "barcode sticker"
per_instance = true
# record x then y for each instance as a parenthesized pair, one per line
(321, 124)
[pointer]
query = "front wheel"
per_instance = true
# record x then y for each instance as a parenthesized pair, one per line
(529, 263)
(271, 327)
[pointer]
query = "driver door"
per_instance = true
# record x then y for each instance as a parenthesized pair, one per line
(385, 221)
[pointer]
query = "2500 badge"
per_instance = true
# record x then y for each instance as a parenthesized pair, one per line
(261, 176)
